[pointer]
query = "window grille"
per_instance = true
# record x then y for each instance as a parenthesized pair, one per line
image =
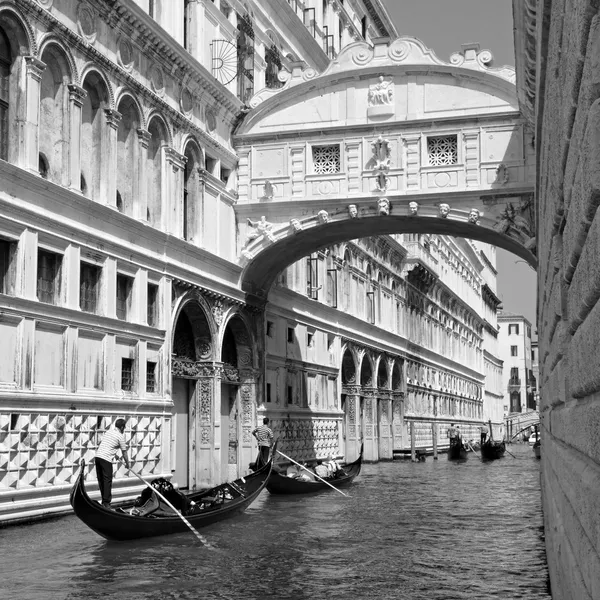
(127, 374)
(326, 159)
(48, 270)
(245, 58)
(442, 150)
(89, 279)
(124, 287)
(150, 377)
(273, 60)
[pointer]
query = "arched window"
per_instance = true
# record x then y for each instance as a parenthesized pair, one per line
(128, 157)
(5, 63)
(54, 116)
(193, 199)
(93, 138)
(154, 171)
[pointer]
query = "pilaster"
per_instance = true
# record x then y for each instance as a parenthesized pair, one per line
(172, 214)
(108, 181)
(140, 209)
(413, 166)
(472, 168)
(26, 272)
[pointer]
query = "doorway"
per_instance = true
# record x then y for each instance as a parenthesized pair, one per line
(229, 432)
(183, 393)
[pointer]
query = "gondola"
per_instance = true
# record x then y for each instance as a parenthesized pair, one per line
(457, 451)
(206, 507)
(537, 447)
(491, 449)
(280, 483)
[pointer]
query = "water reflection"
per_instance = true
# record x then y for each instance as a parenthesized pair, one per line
(434, 530)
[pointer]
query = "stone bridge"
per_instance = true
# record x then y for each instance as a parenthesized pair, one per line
(389, 139)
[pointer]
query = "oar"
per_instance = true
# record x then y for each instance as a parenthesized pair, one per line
(313, 473)
(201, 538)
(505, 450)
(473, 451)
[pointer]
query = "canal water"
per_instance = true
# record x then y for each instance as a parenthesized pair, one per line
(433, 530)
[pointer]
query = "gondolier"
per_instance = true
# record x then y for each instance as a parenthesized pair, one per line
(112, 441)
(483, 431)
(264, 437)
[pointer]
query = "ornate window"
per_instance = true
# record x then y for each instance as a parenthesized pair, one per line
(326, 159)
(127, 374)
(442, 150)
(150, 376)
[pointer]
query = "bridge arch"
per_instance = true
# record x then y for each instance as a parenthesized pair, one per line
(388, 140)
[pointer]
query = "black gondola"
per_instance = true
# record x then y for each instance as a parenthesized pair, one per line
(457, 451)
(211, 505)
(280, 483)
(491, 449)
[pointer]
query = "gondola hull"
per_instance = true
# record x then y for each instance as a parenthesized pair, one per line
(457, 451)
(281, 484)
(121, 526)
(491, 450)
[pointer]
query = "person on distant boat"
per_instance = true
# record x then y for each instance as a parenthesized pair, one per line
(264, 437)
(452, 432)
(112, 441)
(483, 432)
(332, 465)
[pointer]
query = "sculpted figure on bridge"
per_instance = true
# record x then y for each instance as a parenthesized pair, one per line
(381, 150)
(413, 207)
(323, 216)
(262, 227)
(384, 206)
(474, 216)
(381, 92)
(352, 211)
(382, 182)
(444, 210)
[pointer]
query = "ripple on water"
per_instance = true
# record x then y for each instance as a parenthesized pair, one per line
(436, 530)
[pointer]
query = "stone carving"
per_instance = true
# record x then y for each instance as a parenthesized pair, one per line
(502, 174)
(268, 190)
(381, 151)
(413, 207)
(295, 225)
(444, 210)
(261, 228)
(217, 311)
(513, 223)
(474, 216)
(382, 183)
(383, 205)
(352, 211)
(323, 217)
(381, 93)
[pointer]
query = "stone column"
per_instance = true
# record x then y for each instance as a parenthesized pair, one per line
(29, 146)
(108, 181)
(76, 97)
(371, 448)
(385, 426)
(172, 214)
(140, 208)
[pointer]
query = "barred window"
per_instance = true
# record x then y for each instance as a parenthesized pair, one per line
(150, 376)
(48, 276)
(326, 159)
(127, 374)
(89, 284)
(442, 150)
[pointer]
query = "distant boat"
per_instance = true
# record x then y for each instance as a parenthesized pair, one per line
(537, 447)
(457, 451)
(491, 449)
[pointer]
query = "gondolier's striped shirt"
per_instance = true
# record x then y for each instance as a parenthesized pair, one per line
(113, 440)
(264, 435)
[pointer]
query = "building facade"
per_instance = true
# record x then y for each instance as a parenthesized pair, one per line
(121, 225)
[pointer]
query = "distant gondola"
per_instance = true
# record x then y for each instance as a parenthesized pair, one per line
(211, 505)
(491, 449)
(457, 451)
(537, 447)
(280, 483)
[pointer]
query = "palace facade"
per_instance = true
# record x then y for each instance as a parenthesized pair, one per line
(120, 239)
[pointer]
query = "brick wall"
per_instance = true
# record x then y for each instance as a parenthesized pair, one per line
(568, 196)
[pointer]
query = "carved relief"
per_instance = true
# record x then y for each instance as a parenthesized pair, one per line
(352, 211)
(444, 210)
(381, 93)
(268, 190)
(474, 216)
(86, 23)
(381, 153)
(295, 225)
(323, 217)
(217, 310)
(383, 205)
(205, 401)
(260, 228)
(413, 208)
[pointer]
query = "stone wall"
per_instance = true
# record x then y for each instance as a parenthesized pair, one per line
(568, 194)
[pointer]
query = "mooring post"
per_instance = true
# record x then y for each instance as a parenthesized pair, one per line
(413, 454)
(434, 437)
